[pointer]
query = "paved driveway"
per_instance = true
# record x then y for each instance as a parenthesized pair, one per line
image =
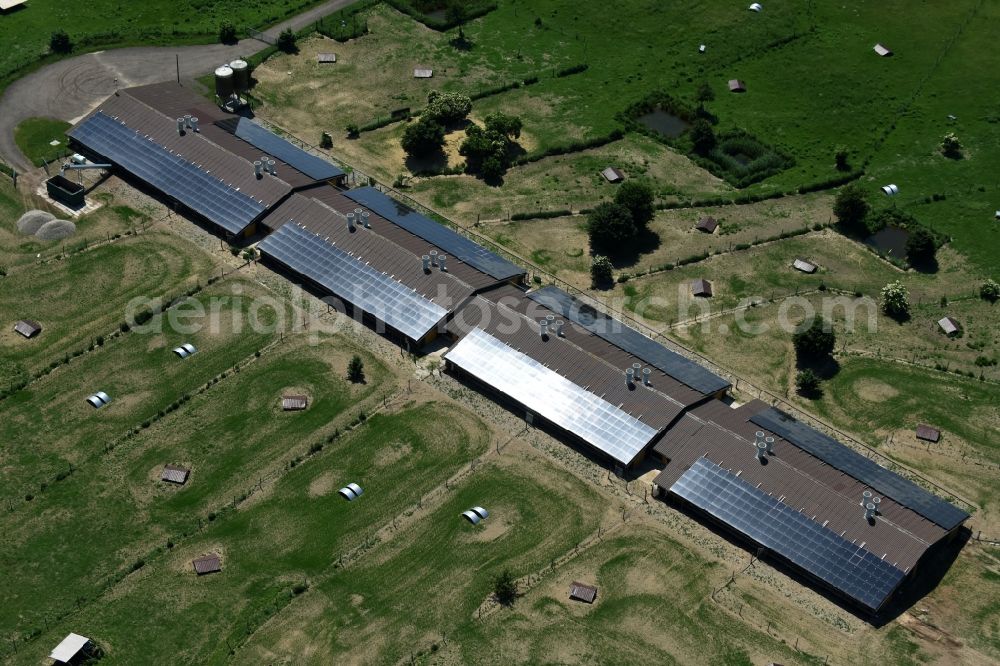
(71, 88)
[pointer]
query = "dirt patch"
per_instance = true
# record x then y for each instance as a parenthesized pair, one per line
(392, 453)
(322, 484)
(874, 390)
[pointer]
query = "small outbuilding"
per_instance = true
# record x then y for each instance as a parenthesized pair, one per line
(890, 190)
(701, 288)
(882, 50)
(613, 175)
(351, 492)
(996, 215)
(326, 58)
(207, 564)
(175, 474)
(582, 592)
(756, 7)
(4, 6)
(294, 403)
(476, 514)
(737, 86)
(28, 328)
(804, 266)
(99, 399)
(423, 73)
(185, 350)
(949, 326)
(928, 434)
(707, 224)
(70, 648)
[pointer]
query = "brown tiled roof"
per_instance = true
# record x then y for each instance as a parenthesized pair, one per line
(373, 248)
(293, 403)
(175, 101)
(28, 328)
(651, 405)
(175, 474)
(707, 224)
(207, 564)
(701, 287)
(514, 298)
(582, 592)
(725, 436)
(196, 148)
(927, 433)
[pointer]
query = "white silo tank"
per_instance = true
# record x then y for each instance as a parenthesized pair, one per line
(241, 75)
(224, 82)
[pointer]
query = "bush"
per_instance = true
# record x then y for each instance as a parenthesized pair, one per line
(447, 108)
(851, 209)
(610, 226)
(840, 159)
(299, 588)
(286, 41)
(702, 137)
(422, 138)
(505, 587)
(600, 272)
(989, 291)
(814, 342)
(951, 146)
(921, 247)
(325, 141)
(638, 198)
(353, 131)
(60, 42)
(896, 300)
(227, 33)
(356, 369)
(575, 69)
(807, 383)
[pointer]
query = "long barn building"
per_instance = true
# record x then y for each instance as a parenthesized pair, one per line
(791, 493)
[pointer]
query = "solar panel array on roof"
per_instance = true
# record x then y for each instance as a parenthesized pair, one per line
(546, 392)
(272, 144)
(632, 341)
(837, 455)
(351, 279)
(171, 174)
(451, 242)
(847, 567)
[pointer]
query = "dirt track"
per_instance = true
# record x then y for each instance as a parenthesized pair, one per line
(70, 88)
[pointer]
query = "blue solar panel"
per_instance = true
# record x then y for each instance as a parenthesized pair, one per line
(632, 341)
(451, 242)
(845, 566)
(835, 454)
(171, 174)
(272, 144)
(348, 278)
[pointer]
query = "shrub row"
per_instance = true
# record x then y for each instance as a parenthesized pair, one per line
(573, 147)
(575, 69)
(541, 214)
(473, 11)
(496, 90)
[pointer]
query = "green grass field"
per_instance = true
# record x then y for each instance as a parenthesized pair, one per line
(105, 24)
(34, 137)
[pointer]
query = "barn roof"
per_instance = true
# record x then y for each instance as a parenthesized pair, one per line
(28, 328)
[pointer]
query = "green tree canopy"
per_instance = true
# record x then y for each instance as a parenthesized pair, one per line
(600, 272)
(610, 226)
(447, 108)
(815, 341)
(422, 138)
(921, 246)
(702, 136)
(851, 209)
(638, 198)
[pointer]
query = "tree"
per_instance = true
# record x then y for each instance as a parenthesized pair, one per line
(455, 14)
(921, 246)
(447, 108)
(600, 272)
(705, 93)
(814, 342)
(493, 169)
(487, 149)
(503, 125)
(505, 587)
(840, 157)
(851, 208)
(60, 42)
(227, 33)
(249, 254)
(702, 136)
(638, 198)
(989, 291)
(610, 226)
(422, 138)
(951, 146)
(353, 131)
(356, 370)
(286, 41)
(896, 300)
(807, 383)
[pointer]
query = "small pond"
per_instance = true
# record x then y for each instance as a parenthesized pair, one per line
(890, 241)
(664, 123)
